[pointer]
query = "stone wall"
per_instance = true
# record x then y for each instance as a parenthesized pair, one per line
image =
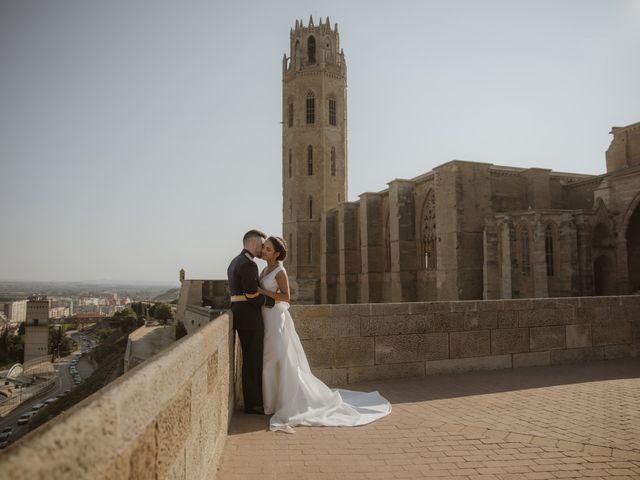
(167, 418)
(355, 343)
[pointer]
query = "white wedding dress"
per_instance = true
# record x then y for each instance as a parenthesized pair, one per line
(292, 393)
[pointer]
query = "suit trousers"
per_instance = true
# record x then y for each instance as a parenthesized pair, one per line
(252, 341)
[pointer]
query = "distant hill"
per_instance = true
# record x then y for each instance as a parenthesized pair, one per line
(168, 296)
(135, 290)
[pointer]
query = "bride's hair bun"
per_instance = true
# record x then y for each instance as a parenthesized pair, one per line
(280, 246)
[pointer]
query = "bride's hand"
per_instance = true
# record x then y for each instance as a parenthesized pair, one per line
(262, 291)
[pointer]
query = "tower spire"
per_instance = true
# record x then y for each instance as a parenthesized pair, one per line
(314, 149)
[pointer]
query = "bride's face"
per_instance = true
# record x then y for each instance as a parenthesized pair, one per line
(268, 252)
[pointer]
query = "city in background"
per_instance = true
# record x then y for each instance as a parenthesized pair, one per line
(59, 343)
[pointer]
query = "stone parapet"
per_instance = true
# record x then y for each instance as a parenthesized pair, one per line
(167, 418)
(362, 342)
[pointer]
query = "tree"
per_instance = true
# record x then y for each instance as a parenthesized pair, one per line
(138, 307)
(163, 312)
(180, 331)
(59, 343)
(128, 320)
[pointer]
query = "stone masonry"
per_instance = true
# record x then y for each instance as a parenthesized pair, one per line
(463, 231)
(348, 344)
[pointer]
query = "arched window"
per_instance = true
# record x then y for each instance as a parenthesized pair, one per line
(548, 249)
(311, 49)
(291, 114)
(311, 108)
(310, 249)
(290, 206)
(332, 111)
(333, 161)
(310, 207)
(309, 160)
(524, 250)
(290, 163)
(429, 239)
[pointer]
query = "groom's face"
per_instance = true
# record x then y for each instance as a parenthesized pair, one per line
(256, 247)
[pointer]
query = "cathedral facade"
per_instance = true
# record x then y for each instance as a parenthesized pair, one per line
(462, 231)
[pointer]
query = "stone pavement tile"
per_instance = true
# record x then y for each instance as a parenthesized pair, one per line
(538, 475)
(575, 421)
(619, 471)
(593, 473)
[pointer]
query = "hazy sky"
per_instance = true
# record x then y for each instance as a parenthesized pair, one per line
(138, 137)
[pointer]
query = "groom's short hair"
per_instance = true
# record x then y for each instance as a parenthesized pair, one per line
(252, 234)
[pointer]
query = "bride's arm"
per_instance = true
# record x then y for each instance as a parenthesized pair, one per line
(282, 295)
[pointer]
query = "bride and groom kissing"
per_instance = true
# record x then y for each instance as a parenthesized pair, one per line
(276, 378)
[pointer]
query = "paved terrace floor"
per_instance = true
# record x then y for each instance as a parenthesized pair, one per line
(572, 421)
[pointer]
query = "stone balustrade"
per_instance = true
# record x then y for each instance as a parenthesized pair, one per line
(169, 417)
(355, 343)
(166, 418)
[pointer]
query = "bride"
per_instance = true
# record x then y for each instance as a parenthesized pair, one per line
(290, 391)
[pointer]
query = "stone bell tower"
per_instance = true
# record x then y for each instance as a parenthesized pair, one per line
(314, 146)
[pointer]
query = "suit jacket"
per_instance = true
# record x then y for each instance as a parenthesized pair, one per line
(243, 281)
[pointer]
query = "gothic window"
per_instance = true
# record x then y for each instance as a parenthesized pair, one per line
(310, 249)
(310, 207)
(291, 114)
(333, 161)
(311, 108)
(332, 111)
(309, 160)
(548, 249)
(524, 250)
(290, 163)
(429, 239)
(311, 49)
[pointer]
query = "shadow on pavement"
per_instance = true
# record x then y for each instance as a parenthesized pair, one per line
(420, 389)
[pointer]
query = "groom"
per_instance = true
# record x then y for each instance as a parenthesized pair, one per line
(247, 317)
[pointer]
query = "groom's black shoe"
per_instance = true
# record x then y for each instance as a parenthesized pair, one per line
(254, 410)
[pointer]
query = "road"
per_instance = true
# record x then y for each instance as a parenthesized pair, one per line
(64, 382)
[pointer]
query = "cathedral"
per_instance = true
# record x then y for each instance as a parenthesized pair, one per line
(462, 231)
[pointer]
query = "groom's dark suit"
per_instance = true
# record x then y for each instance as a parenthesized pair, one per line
(247, 320)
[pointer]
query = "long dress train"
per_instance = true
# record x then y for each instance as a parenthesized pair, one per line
(292, 393)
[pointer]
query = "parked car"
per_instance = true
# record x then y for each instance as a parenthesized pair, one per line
(4, 443)
(25, 418)
(7, 430)
(4, 436)
(50, 400)
(37, 407)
